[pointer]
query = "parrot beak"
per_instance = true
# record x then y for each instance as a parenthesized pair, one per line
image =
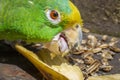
(71, 37)
(66, 41)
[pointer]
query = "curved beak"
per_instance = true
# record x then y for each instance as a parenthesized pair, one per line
(66, 41)
(79, 36)
(74, 37)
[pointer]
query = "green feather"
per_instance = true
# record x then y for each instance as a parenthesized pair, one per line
(26, 19)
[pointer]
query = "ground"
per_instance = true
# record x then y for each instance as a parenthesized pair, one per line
(101, 16)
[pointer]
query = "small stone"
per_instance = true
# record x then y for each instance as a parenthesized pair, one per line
(12, 72)
(107, 68)
(104, 38)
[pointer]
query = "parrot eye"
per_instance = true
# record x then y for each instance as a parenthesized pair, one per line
(53, 16)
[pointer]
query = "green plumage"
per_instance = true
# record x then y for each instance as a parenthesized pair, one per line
(26, 19)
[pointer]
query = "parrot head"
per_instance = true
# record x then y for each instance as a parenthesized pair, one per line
(40, 20)
(49, 17)
(64, 16)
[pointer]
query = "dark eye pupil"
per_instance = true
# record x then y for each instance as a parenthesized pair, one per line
(54, 14)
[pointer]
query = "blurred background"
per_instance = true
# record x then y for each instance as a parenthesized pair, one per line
(100, 16)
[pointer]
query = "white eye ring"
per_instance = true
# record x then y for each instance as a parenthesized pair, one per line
(53, 16)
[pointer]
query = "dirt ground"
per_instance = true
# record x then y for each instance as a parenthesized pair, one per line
(9, 56)
(100, 16)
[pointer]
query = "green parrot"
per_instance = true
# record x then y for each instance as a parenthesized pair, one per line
(37, 20)
(41, 21)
